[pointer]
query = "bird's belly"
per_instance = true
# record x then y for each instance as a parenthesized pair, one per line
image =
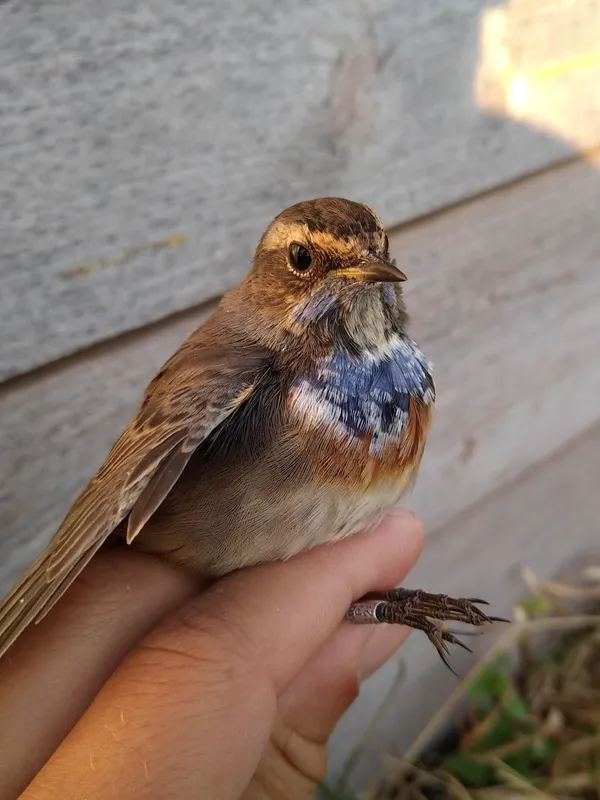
(216, 522)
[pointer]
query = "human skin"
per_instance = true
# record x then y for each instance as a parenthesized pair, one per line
(139, 686)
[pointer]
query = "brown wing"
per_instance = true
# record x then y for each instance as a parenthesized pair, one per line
(201, 385)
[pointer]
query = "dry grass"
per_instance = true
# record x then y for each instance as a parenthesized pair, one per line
(527, 719)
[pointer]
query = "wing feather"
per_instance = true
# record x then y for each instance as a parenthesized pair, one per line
(192, 395)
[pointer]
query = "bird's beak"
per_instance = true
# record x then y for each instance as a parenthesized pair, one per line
(373, 272)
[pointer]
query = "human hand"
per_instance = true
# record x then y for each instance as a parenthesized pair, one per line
(136, 686)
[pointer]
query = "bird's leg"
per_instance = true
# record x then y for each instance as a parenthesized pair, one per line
(418, 609)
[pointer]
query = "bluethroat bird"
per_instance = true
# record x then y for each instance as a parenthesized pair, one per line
(295, 415)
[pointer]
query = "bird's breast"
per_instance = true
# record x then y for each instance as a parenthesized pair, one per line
(312, 457)
(364, 419)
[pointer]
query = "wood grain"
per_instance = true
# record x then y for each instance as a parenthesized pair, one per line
(143, 150)
(546, 519)
(505, 294)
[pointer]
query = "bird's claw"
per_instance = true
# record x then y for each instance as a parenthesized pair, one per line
(420, 610)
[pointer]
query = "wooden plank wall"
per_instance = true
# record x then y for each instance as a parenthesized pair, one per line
(142, 151)
(144, 148)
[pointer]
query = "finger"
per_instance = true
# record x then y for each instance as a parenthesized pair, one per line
(278, 615)
(314, 702)
(381, 648)
(51, 674)
(311, 706)
(196, 701)
(296, 755)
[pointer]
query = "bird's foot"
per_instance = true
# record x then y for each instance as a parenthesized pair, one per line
(419, 610)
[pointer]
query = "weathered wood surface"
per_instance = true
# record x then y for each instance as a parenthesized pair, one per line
(142, 150)
(505, 294)
(544, 521)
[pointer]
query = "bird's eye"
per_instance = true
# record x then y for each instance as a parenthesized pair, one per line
(299, 257)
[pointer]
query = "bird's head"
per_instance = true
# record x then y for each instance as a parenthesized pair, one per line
(322, 272)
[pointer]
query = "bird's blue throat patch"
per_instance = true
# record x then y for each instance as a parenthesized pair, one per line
(369, 394)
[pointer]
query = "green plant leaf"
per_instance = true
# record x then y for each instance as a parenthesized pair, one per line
(536, 604)
(495, 731)
(490, 683)
(531, 756)
(545, 751)
(326, 792)
(515, 705)
(522, 762)
(468, 770)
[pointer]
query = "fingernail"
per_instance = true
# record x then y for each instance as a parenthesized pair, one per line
(404, 514)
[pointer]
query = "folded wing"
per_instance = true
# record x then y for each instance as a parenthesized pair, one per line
(194, 393)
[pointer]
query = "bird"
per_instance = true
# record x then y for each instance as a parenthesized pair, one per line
(297, 414)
